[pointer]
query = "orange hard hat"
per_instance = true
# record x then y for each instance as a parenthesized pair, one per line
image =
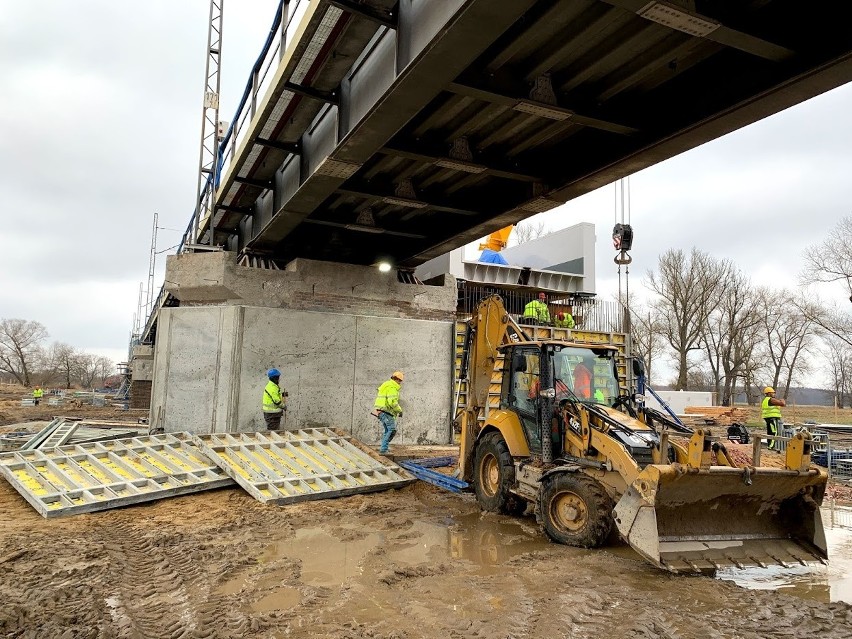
(398, 375)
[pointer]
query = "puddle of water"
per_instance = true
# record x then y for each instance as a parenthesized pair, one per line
(281, 599)
(231, 587)
(489, 542)
(819, 583)
(326, 561)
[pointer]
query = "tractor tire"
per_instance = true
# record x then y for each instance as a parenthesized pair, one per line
(494, 476)
(575, 510)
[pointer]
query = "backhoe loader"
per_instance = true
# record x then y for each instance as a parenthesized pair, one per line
(568, 438)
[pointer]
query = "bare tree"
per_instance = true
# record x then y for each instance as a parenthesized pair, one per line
(838, 365)
(789, 334)
(530, 231)
(753, 370)
(732, 331)
(686, 287)
(88, 370)
(647, 336)
(830, 320)
(701, 378)
(65, 362)
(105, 369)
(831, 260)
(20, 341)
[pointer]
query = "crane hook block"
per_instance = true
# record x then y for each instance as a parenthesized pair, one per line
(622, 258)
(622, 237)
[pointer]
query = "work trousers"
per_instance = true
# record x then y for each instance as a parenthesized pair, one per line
(389, 424)
(273, 420)
(773, 427)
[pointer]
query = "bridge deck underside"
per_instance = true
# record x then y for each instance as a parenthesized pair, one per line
(408, 129)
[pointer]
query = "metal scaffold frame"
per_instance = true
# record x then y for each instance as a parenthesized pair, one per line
(210, 134)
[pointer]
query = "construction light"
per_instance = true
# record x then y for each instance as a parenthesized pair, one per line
(384, 267)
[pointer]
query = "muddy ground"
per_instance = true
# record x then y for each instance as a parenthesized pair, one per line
(414, 562)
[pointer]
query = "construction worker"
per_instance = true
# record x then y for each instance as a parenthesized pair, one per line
(564, 319)
(582, 381)
(536, 311)
(387, 408)
(274, 400)
(38, 393)
(770, 410)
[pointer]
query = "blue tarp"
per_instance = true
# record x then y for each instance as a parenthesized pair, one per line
(492, 257)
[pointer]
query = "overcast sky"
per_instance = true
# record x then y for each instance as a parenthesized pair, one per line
(101, 111)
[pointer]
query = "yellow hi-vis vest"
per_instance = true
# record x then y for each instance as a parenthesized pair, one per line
(387, 399)
(273, 402)
(566, 321)
(38, 393)
(769, 411)
(537, 310)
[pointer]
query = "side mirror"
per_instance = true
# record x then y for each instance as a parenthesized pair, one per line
(638, 366)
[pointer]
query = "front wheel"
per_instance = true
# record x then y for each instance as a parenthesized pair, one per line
(575, 510)
(494, 476)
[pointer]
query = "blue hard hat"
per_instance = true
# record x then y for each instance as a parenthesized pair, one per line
(273, 372)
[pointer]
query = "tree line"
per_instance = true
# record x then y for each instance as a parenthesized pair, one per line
(28, 359)
(726, 335)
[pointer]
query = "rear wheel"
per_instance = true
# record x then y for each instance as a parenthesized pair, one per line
(575, 510)
(494, 476)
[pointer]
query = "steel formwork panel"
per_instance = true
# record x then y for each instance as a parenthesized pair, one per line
(288, 466)
(101, 475)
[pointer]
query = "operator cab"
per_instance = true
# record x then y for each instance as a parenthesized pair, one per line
(539, 376)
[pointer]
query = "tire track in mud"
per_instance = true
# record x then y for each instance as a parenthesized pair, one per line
(154, 584)
(45, 595)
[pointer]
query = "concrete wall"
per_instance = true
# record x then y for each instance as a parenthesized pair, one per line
(142, 363)
(211, 364)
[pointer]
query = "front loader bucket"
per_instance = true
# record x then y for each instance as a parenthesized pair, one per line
(689, 520)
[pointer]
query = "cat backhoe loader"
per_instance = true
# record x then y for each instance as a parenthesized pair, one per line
(568, 438)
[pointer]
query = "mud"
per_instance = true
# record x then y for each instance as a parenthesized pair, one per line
(415, 562)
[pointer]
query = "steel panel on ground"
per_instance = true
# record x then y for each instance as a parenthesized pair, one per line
(95, 476)
(288, 466)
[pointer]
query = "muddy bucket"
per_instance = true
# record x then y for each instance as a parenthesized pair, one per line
(688, 520)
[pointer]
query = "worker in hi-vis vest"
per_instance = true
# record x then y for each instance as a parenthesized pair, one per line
(770, 410)
(564, 319)
(274, 400)
(38, 393)
(387, 408)
(536, 311)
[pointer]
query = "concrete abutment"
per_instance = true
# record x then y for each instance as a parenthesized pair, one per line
(335, 331)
